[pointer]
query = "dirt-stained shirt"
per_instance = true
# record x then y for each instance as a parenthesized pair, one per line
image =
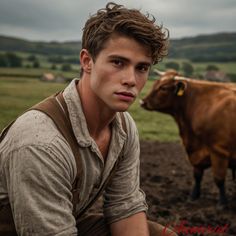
(37, 169)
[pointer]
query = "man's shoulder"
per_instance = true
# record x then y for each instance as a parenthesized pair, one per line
(34, 136)
(33, 127)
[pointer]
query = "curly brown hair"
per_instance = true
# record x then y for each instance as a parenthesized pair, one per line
(116, 18)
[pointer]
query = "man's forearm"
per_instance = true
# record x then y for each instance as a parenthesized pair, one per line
(135, 225)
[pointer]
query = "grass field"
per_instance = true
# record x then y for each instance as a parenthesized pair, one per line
(18, 94)
(35, 73)
(20, 88)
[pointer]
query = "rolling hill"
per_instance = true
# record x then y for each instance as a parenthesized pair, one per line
(220, 47)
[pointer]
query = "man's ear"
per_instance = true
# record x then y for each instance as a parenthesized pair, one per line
(180, 88)
(85, 61)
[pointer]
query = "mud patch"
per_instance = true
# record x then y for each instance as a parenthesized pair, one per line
(166, 178)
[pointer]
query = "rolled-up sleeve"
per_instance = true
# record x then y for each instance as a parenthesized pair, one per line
(38, 179)
(123, 196)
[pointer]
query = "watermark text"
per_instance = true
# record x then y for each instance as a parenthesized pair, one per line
(185, 229)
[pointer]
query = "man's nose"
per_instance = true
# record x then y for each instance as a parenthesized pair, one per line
(129, 78)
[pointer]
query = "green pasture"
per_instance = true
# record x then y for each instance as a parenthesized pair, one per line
(45, 66)
(35, 72)
(18, 94)
(229, 67)
(20, 88)
(200, 67)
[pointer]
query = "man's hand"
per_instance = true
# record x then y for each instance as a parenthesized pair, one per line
(135, 225)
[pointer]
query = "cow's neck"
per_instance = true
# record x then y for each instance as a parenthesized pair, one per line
(196, 96)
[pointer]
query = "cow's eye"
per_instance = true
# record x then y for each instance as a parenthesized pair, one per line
(164, 88)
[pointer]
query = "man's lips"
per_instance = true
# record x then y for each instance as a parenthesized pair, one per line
(129, 94)
(126, 96)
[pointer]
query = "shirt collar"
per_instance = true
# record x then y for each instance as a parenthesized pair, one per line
(79, 126)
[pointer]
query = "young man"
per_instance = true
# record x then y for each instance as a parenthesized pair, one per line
(38, 167)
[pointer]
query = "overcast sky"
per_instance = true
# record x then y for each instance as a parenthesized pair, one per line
(63, 20)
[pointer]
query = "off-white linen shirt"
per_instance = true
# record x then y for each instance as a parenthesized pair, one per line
(37, 169)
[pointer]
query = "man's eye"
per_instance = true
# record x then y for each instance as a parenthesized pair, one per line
(143, 68)
(117, 62)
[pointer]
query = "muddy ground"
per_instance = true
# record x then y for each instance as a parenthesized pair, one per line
(166, 177)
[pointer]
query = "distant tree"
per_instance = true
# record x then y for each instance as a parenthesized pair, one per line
(172, 65)
(232, 77)
(36, 64)
(13, 60)
(32, 57)
(187, 69)
(66, 67)
(56, 59)
(72, 60)
(3, 60)
(212, 67)
(53, 67)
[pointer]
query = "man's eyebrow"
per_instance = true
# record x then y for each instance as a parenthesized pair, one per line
(146, 63)
(118, 57)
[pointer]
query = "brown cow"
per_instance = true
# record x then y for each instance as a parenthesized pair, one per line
(206, 114)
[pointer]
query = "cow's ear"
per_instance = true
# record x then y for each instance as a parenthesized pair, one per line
(180, 87)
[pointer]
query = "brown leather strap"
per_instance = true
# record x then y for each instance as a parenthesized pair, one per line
(55, 107)
(7, 226)
(5, 130)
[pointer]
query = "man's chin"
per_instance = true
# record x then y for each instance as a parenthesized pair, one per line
(121, 108)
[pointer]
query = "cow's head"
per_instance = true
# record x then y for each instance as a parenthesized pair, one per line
(165, 93)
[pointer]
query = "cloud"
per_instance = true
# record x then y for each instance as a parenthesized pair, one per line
(64, 19)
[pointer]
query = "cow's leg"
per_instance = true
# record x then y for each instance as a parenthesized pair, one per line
(198, 174)
(233, 173)
(219, 168)
(232, 166)
(223, 198)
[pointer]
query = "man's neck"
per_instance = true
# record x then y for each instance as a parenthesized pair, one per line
(97, 115)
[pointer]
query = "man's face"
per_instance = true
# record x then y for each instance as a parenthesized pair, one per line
(119, 72)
